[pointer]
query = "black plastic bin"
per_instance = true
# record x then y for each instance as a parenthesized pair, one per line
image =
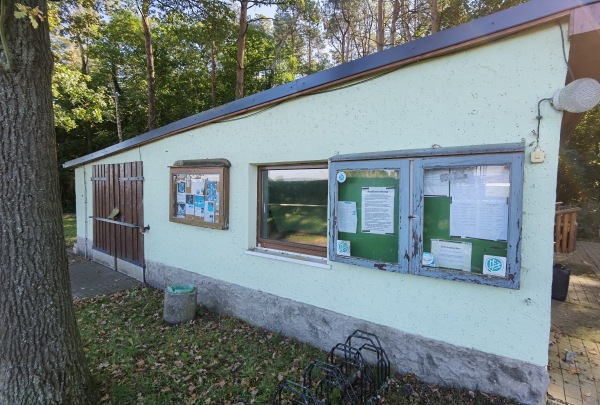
(560, 282)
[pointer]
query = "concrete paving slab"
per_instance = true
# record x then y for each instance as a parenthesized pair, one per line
(90, 279)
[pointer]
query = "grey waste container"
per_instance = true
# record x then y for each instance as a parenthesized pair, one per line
(180, 304)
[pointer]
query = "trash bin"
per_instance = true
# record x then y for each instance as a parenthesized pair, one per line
(560, 282)
(180, 304)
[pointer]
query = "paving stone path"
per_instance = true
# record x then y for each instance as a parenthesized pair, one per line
(576, 331)
(90, 279)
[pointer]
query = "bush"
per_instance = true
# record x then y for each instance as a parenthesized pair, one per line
(588, 221)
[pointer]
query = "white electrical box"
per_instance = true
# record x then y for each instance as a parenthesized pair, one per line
(538, 155)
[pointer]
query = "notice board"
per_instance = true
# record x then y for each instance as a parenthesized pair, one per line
(367, 214)
(199, 193)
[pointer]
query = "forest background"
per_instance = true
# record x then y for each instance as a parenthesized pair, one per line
(124, 67)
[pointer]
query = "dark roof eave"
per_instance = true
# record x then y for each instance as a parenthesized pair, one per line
(521, 15)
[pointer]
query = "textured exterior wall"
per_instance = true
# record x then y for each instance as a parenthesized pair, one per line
(486, 95)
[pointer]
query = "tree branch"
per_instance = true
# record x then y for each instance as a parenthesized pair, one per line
(3, 38)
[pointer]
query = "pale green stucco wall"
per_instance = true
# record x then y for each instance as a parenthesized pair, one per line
(486, 95)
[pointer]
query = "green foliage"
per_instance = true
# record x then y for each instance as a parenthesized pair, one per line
(74, 101)
(579, 174)
(70, 229)
(455, 12)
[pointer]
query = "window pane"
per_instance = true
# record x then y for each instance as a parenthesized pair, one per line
(465, 219)
(294, 206)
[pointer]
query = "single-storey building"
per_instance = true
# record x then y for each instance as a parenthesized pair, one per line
(409, 193)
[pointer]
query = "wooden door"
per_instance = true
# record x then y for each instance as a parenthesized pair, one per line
(118, 211)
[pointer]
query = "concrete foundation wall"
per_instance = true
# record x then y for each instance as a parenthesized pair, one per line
(431, 360)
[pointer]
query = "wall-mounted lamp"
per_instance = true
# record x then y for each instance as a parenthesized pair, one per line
(579, 96)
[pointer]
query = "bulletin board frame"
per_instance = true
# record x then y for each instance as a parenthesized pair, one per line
(199, 193)
(508, 248)
(414, 217)
(378, 243)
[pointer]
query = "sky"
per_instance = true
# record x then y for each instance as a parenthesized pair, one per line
(268, 11)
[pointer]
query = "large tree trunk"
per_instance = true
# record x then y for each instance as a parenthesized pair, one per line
(149, 65)
(393, 29)
(380, 26)
(41, 357)
(435, 16)
(241, 49)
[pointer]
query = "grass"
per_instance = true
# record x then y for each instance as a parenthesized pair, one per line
(214, 359)
(70, 229)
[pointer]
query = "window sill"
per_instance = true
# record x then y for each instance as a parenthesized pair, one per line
(297, 258)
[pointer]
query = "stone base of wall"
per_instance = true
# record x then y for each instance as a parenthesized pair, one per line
(83, 247)
(430, 360)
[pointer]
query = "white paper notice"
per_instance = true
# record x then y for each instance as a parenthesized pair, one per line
(198, 186)
(479, 207)
(346, 216)
(497, 182)
(378, 210)
(436, 182)
(452, 255)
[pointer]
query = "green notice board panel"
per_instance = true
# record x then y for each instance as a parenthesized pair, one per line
(372, 246)
(436, 225)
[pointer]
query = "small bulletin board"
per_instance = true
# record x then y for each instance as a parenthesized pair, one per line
(367, 214)
(200, 193)
(465, 219)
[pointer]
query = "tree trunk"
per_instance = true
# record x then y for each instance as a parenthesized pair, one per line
(41, 356)
(149, 65)
(395, 14)
(404, 19)
(241, 49)
(435, 16)
(380, 26)
(85, 68)
(115, 94)
(213, 75)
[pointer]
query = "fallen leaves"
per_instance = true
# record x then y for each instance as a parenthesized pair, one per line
(216, 359)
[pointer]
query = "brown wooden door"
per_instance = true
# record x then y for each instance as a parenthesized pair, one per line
(119, 187)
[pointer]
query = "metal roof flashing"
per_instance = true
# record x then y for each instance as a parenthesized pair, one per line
(473, 33)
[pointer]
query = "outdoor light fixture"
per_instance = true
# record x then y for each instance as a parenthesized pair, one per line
(579, 96)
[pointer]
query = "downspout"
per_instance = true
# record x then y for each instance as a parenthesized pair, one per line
(85, 202)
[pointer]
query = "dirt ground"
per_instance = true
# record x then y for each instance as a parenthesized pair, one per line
(580, 319)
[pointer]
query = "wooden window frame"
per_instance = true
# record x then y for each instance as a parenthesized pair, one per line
(311, 250)
(218, 167)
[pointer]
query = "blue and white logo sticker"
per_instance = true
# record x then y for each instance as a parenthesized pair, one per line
(494, 265)
(341, 177)
(343, 248)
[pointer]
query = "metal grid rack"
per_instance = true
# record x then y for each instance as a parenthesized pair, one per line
(355, 373)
